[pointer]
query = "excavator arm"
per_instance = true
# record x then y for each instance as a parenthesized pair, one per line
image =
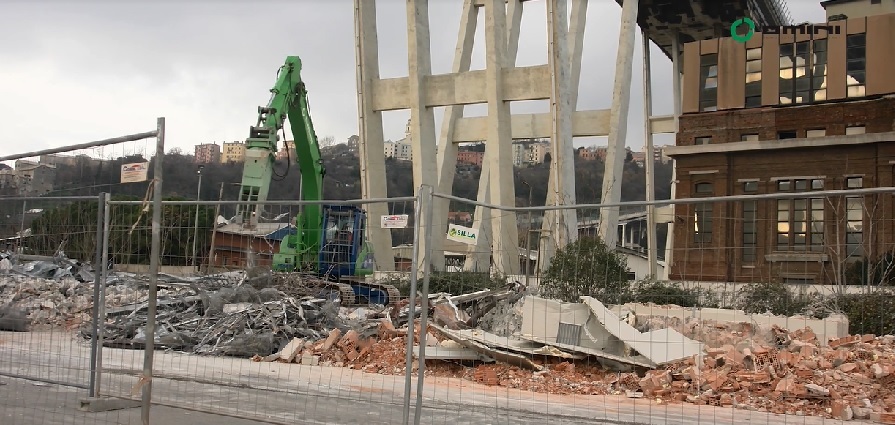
(289, 98)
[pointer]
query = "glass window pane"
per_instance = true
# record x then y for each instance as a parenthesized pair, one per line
(753, 66)
(820, 45)
(802, 48)
(752, 54)
(783, 185)
(855, 40)
(799, 204)
(855, 182)
(749, 227)
(786, 50)
(750, 187)
(783, 239)
(817, 238)
(854, 238)
(799, 238)
(749, 238)
(820, 95)
(817, 184)
(801, 185)
(783, 205)
(856, 91)
(855, 65)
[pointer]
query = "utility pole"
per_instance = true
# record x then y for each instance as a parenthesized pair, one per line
(214, 227)
(196, 224)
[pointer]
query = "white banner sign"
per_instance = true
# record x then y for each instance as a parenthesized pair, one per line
(133, 173)
(462, 234)
(394, 221)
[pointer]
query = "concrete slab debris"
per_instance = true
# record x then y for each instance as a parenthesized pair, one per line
(660, 347)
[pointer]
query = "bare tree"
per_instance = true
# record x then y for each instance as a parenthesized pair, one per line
(327, 141)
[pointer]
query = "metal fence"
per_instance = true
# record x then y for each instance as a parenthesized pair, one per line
(751, 316)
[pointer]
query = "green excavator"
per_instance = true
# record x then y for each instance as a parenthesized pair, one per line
(328, 240)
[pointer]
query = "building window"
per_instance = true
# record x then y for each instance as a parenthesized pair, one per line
(794, 84)
(854, 216)
(750, 225)
(702, 140)
(856, 64)
(803, 71)
(749, 137)
(786, 135)
(819, 71)
(753, 77)
(708, 83)
(816, 133)
(702, 220)
(800, 222)
(854, 130)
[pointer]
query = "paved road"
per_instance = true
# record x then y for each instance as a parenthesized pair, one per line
(298, 394)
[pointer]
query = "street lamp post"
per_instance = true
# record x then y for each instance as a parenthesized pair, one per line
(196, 222)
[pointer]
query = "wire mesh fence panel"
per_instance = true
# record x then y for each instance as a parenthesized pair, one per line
(769, 308)
(270, 319)
(47, 287)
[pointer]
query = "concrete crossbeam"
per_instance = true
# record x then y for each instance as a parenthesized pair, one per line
(539, 126)
(462, 88)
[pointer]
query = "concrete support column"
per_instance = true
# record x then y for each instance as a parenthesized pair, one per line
(649, 163)
(676, 66)
(372, 157)
(499, 151)
(618, 124)
(480, 257)
(564, 56)
(446, 157)
(422, 118)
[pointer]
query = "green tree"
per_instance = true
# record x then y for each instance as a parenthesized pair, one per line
(587, 267)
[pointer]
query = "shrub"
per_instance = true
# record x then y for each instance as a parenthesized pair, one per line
(647, 291)
(871, 313)
(774, 298)
(587, 267)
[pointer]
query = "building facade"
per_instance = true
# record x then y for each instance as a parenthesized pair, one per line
(471, 157)
(208, 153)
(786, 113)
(233, 152)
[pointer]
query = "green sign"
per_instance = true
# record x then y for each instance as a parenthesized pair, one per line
(742, 38)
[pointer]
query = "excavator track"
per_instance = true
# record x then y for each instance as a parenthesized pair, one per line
(301, 284)
(394, 295)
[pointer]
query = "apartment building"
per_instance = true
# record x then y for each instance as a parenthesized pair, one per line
(471, 157)
(787, 113)
(208, 153)
(233, 152)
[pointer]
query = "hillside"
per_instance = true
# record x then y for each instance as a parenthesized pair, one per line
(342, 179)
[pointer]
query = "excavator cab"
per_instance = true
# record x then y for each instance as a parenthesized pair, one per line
(342, 241)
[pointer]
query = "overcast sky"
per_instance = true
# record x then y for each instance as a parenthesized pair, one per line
(73, 71)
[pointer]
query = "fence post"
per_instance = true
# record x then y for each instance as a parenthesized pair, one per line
(414, 272)
(94, 346)
(424, 302)
(104, 273)
(154, 258)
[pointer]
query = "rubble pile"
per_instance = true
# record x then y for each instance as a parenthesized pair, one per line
(480, 337)
(63, 300)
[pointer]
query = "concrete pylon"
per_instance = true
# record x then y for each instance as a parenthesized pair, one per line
(422, 116)
(560, 227)
(370, 147)
(618, 124)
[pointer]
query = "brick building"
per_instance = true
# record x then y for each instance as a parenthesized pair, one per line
(470, 157)
(233, 244)
(749, 127)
